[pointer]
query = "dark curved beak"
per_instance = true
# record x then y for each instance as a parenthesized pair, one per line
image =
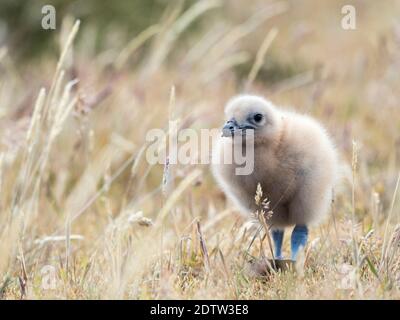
(228, 130)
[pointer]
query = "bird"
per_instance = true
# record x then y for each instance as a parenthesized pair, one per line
(295, 164)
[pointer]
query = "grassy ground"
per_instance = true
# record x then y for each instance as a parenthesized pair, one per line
(84, 216)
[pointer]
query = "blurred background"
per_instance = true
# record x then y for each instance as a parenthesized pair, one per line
(76, 104)
(114, 23)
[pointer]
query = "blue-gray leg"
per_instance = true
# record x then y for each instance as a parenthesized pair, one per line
(299, 239)
(277, 236)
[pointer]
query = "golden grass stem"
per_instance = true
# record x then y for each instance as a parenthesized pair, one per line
(260, 57)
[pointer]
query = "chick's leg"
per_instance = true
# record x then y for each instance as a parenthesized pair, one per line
(277, 236)
(298, 239)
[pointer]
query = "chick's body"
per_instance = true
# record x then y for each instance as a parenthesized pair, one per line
(295, 163)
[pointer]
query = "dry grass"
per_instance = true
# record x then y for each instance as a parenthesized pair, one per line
(78, 195)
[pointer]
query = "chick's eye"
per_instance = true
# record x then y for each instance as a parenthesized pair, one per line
(258, 117)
